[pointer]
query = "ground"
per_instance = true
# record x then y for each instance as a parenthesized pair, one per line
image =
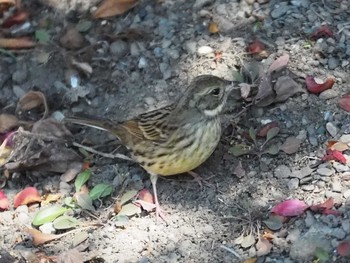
(148, 67)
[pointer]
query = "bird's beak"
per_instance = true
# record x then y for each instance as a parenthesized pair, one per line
(231, 85)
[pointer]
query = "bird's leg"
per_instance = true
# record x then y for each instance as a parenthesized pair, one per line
(159, 211)
(200, 180)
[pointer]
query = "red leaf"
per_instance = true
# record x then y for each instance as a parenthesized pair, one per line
(344, 102)
(27, 196)
(333, 155)
(332, 212)
(16, 19)
(264, 129)
(343, 248)
(4, 202)
(314, 87)
(326, 205)
(291, 207)
(146, 196)
(323, 31)
(256, 47)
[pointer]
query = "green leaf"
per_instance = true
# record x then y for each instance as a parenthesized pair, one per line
(101, 190)
(65, 222)
(68, 201)
(273, 149)
(272, 133)
(239, 149)
(248, 241)
(121, 220)
(129, 210)
(81, 179)
(48, 214)
(128, 196)
(42, 36)
(84, 201)
(237, 76)
(274, 222)
(252, 134)
(83, 26)
(322, 254)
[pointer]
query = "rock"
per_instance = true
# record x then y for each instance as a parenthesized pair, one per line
(142, 63)
(21, 74)
(346, 194)
(332, 129)
(293, 184)
(338, 233)
(308, 187)
(207, 229)
(18, 91)
(345, 138)
(72, 39)
(185, 248)
(303, 172)
(325, 171)
(204, 50)
(47, 228)
(279, 11)
(200, 3)
(191, 47)
(328, 94)
(303, 250)
(346, 225)
(336, 186)
(333, 63)
(282, 171)
(119, 49)
(340, 167)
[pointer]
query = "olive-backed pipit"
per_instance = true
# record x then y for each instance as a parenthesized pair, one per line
(177, 138)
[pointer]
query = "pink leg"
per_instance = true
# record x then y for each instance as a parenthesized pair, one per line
(159, 211)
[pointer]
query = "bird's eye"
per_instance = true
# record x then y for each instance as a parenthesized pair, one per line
(215, 92)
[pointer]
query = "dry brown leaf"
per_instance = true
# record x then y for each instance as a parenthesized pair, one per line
(8, 2)
(291, 145)
(213, 27)
(250, 260)
(110, 8)
(31, 100)
(50, 198)
(339, 146)
(40, 238)
(7, 122)
(17, 43)
(263, 247)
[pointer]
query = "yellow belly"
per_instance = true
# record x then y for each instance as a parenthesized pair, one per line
(183, 156)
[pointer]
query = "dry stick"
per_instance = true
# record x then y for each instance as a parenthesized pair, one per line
(231, 251)
(107, 155)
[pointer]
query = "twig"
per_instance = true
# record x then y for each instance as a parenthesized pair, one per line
(107, 155)
(231, 251)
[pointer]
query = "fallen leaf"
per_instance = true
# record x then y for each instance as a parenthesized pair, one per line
(344, 102)
(272, 133)
(273, 149)
(286, 87)
(256, 47)
(40, 238)
(127, 196)
(72, 172)
(48, 214)
(239, 170)
(7, 122)
(100, 191)
(322, 31)
(32, 100)
(110, 8)
(17, 43)
(339, 146)
(121, 220)
(279, 64)
(8, 2)
(274, 222)
(263, 247)
(322, 254)
(343, 248)
(27, 196)
(264, 129)
(145, 195)
(250, 260)
(72, 39)
(84, 25)
(84, 201)
(291, 145)
(252, 134)
(333, 155)
(213, 27)
(50, 198)
(129, 210)
(316, 88)
(42, 36)
(17, 18)
(328, 204)
(4, 202)
(292, 207)
(248, 241)
(79, 238)
(83, 67)
(147, 206)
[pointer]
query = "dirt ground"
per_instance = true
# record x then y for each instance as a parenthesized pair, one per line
(145, 68)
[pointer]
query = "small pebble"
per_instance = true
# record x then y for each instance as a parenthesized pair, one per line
(345, 138)
(328, 94)
(142, 63)
(204, 50)
(279, 11)
(47, 228)
(282, 171)
(336, 186)
(333, 63)
(332, 129)
(308, 187)
(293, 184)
(346, 225)
(346, 194)
(325, 171)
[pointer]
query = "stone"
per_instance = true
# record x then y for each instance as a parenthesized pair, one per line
(333, 63)
(328, 94)
(204, 50)
(332, 129)
(293, 184)
(336, 186)
(119, 49)
(282, 171)
(325, 171)
(279, 11)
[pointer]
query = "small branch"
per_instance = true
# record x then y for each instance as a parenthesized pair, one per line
(231, 251)
(107, 155)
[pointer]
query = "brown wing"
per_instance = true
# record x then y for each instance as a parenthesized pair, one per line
(151, 126)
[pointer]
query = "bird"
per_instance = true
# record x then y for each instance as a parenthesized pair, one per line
(174, 139)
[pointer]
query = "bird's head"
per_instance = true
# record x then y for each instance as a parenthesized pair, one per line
(208, 94)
